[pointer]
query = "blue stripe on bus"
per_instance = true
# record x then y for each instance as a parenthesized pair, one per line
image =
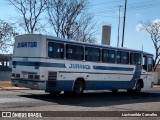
(62, 65)
(66, 85)
(39, 64)
(112, 68)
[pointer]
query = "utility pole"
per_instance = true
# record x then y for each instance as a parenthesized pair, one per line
(124, 21)
(119, 25)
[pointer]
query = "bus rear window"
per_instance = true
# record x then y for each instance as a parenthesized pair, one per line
(55, 50)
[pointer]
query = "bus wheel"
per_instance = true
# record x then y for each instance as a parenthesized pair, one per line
(78, 87)
(138, 87)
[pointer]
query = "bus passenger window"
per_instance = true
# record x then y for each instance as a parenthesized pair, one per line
(118, 57)
(79, 53)
(135, 58)
(50, 50)
(74, 52)
(87, 54)
(55, 50)
(150, 64)
(69, 52)
(124, 57)
(105, 55)
(145, 63)
(92, 54)
(58, 50)
(111, 56)
(95, 54)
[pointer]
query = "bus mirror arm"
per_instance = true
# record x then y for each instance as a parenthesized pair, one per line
(153, 63)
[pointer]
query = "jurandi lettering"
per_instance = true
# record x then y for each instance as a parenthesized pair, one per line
(79, 66)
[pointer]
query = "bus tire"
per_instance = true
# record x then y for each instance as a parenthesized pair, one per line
(138, 87)
(78, 88)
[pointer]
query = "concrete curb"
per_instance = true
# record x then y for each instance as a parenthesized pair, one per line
(13, 88)
(22, 88)
(156, 86)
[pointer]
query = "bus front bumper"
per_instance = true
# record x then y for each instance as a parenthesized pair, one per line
(33, 84)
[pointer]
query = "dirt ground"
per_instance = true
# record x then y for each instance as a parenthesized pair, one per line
(5, 83)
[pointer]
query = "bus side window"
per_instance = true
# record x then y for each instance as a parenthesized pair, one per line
(50, 49)
(58, 50)
(55, 50)
(74, 52)
(79, 52)
(150, 64)
(145, 63)
(87, 53)
(124, 57)
(105, 55)
(112, 56)
(95, 54)
(135, 58)
(70, 52)
(118, 57)
(92, 54)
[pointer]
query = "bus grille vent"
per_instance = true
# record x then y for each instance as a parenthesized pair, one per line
(52, 76)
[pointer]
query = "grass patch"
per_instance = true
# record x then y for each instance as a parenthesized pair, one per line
(5, 84)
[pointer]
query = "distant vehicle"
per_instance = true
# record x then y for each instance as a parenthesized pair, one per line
(54, 65)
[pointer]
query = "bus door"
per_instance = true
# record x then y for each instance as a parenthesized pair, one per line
(148, 67)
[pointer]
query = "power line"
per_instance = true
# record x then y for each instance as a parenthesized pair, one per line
(143, 7)
(105, 3)
(132, 7)
(108, 16)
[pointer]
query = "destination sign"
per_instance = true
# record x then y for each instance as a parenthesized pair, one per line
(26, 44)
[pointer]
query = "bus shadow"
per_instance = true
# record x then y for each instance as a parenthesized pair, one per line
(97, 99)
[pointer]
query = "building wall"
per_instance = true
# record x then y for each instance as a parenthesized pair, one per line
(158, 74)
(106, 33)
(5, 75)
(156, 77)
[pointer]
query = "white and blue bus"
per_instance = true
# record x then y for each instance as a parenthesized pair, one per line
(54, 65)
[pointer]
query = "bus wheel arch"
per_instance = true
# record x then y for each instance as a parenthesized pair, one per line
(139, 85)
(78, 86)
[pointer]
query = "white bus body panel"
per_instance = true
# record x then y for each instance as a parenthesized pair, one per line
(97, 75)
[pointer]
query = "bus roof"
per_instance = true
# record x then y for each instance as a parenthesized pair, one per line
(52, 38)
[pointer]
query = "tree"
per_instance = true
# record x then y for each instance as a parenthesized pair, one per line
(30, 11)
(70, 20)
(153, 28)
(6, 33)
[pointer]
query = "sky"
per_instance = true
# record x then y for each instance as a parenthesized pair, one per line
(106, 12)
